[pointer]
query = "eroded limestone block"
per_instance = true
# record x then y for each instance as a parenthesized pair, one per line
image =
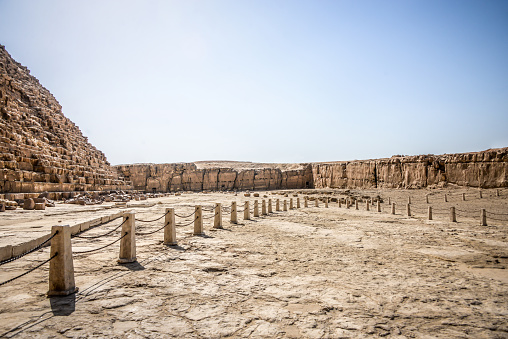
(29, 204)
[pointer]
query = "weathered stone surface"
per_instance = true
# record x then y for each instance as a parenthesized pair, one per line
(40, 206)
(40, 149)
(487, 169)
(216, 176)
(29, 204)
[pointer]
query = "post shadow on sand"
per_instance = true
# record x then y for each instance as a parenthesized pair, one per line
(204, 235)
(133, 266)
(63, 305)
(176, 247)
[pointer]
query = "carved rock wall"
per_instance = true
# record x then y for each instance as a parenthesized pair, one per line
(191, 177)
(486, 169)
(40, 149)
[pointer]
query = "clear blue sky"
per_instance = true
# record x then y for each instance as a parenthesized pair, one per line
(270, 81)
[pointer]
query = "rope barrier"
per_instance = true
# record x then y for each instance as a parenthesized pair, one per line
(29, 271)
(102, 235)
(154, 219)
(100, 248)
(186, 216)
(152, 232)
(188, 223)
(28, 252)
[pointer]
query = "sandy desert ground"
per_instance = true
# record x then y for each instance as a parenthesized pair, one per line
(312, 272)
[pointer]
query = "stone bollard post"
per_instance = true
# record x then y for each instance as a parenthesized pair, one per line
(497, 193)
(389, 201)
(427, 198)
(291, 203)
(61, 267)
(445, 198)
(263, 207)
(409, 200)
(408, 210)
(367, 206)
(246, 211)
(169, 227)
(128, 242)
(256, 209)
(217, 218)
(270, 206)
(356, 204)
(483, 217)
(316, 202)
(430, 212)
(297, 202)
(198, 221)
(234, 213)
(453, 217)
(393, 208)
(378, 206)
(326, 202)
(306, 202)
(285, 205)
(340, 203)
(463, 196)
(347, 203)
(481, 194)
(277, 205)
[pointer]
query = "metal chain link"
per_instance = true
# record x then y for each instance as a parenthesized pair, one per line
(497, 219)
(210, 216)
(502, 214)
(152, 232)
(29, 271)
(188, 223)
(100, 248)
(186, 216)
(28, 252)
(154, 219)
(102, 235)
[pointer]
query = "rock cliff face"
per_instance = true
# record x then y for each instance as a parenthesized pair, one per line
(40, 149)
(485, 169)
(216, 176)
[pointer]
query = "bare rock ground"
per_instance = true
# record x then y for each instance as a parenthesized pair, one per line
(313, 272)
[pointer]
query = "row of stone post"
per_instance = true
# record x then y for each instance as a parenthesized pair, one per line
(445, 197)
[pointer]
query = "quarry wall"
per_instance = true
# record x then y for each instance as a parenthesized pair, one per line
(487, 169)
(193, 177)
(41, 149)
